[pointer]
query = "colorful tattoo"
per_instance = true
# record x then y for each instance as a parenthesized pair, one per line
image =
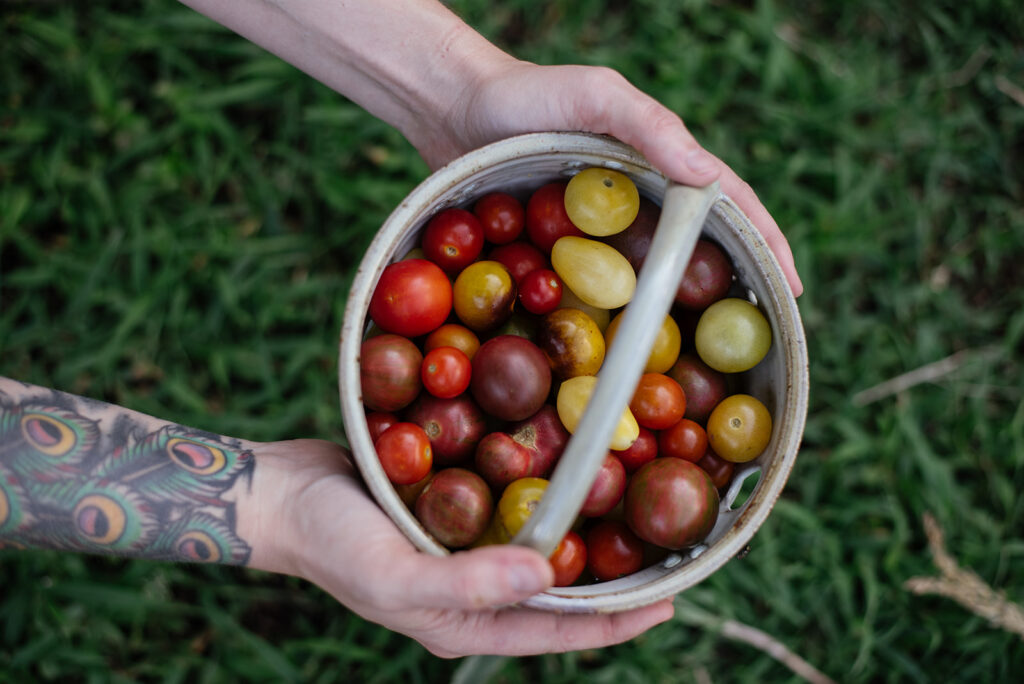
(69, 482)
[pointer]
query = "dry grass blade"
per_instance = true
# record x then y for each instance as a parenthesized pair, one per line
(1010, 89)
(762, 641)
(965, 587)
(927, 373)
(752, 636)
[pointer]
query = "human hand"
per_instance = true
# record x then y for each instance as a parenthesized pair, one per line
(513, 97)
(310, 516)
(449, 90)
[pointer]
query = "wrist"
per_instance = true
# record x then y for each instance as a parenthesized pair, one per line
(408, 62)
(270, 508)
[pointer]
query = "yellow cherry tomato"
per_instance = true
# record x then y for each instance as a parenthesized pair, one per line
(494, 534)
(665, 351)
(601, 201)
(574, 395)
(518, 502)
(739, 428)
(572, 342)
(483, 295)
(596, 272)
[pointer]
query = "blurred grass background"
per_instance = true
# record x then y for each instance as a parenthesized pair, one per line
(180, 215)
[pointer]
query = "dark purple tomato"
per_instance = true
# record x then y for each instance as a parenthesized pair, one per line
(511, 377)
(634, 242)
(703, 386)
(386, 374)
(672, 503)
(454, 426)
(455, 507)
(707, 278)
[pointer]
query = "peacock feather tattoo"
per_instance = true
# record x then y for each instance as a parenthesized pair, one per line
(65, 483)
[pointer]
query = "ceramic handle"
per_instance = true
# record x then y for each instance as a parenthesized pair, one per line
(679, 227)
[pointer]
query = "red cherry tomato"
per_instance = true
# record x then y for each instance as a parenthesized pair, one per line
(643, 450)
(412, 298)
(404, 453)
(453, 239)
(540, 291)
(546, 218)
(613, 550)
(658, 401)
(569, 559)
(445, 372)
(686, 440)
(502, 217)
(379, 421)
(717, 467)
(519, 258)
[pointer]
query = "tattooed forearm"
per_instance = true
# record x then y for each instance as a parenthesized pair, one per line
(82, 475)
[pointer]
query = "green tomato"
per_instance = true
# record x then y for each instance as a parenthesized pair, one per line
(601, 201)
(732, 335)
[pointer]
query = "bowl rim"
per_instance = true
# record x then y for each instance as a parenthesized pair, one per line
(412, 212)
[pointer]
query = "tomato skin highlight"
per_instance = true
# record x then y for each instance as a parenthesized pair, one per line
(404, 453)
(412, 298)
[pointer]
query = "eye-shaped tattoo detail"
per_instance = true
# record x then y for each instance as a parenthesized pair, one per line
(64, 483)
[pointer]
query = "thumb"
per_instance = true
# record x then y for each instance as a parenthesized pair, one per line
(486, 577)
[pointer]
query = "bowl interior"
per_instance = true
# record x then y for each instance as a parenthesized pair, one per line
(518, 166)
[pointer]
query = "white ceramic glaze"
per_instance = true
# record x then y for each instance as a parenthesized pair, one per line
(518, 165)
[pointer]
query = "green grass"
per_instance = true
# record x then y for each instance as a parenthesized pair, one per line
(180, 215)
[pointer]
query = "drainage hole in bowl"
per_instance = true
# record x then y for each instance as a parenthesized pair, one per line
(741, 488)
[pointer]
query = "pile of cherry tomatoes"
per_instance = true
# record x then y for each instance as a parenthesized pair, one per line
(484, 350)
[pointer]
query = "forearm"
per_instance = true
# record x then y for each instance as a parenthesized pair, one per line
(83, 475)
(405, 61)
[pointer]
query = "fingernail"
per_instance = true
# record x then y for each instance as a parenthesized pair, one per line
(525, 579)
(700, 161)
